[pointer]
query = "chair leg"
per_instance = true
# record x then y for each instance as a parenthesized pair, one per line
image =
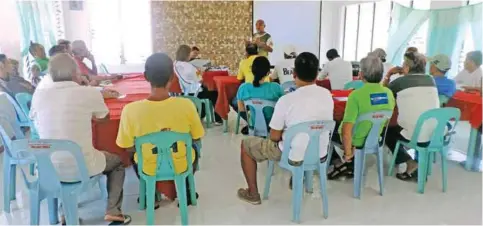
(308, 180)
(32, 169)
(69, 203)
(268, 179)
(359, 161)
(192, 186)
(237, 125)
(430, 162)
(297, 194)
(323, 190)
(102, 187)
(225, 126)
(183, 202)
(142, 194)
(329, 156)
(150, 195)
(444, 168)
(209, 120)
(380, 171)
(7, 174)
(471, 149)
(393, 161)
(53, 205)
(34, 208)
(422, 170)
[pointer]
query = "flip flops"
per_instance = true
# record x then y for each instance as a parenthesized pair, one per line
(346, 169)
(126, 221)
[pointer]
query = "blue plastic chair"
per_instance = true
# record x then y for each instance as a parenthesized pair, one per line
(48, 185)
(23, 100)
(378, 119)
(356, 84)
(312, 162)
(165, 172)
(255, 108)
(289, 86)
(10, 160)
(22, 119)
(209, 109)
(438, 143)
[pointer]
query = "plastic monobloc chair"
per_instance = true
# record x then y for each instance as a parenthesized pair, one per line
(288, 86)
(378, 119)
(438, 143)
(47, 184)
(23, 100)
(22, 118)
(165, 172)
(356, 84)
(256, 108)
(312, 162)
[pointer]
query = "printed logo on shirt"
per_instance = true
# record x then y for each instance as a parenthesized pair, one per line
(287, 71)
(379, 98)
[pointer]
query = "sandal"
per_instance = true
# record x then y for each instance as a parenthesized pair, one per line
(408, 176)
(126, 220)
(346, 169)
(156, 204)
(244, 194)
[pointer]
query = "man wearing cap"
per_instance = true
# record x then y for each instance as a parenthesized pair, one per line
(262, 39)
(381, 54)
(284, 68)
(470, 78)
(440, 64)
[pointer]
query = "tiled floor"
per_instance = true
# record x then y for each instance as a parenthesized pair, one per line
(220, 177)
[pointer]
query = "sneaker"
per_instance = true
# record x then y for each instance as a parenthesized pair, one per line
(244, 195)
(244, 130)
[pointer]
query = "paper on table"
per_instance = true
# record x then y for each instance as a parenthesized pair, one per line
(122, 96)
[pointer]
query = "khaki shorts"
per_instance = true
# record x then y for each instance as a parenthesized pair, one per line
(261, 149)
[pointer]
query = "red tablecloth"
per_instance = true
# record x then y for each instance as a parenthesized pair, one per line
(227, 87)
(339, 105)
(208, 80)
(470, 106)
(104, 133)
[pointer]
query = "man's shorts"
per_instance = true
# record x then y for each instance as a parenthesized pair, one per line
(261, 149)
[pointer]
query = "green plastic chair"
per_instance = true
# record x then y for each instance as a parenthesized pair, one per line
(356, 84)
(165, 172)
(438, 142)
(209, 112)
(196, 101)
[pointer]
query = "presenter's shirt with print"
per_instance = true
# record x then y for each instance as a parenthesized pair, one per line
(265, 38)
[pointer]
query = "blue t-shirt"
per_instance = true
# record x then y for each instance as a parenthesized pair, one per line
(445, 86)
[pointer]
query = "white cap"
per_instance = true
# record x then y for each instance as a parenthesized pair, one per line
(289, 49)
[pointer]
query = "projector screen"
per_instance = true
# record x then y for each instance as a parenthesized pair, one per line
(290, 22)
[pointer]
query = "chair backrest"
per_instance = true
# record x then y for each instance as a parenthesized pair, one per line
(442, 116)
(21, 117)
(196, 101)
(289, 86)
(40, 151)
(377, 120)
(356, 84)
(314, 130)
(257, 115)
(164, 141)
(23, 99)
(443, 100)
(9, 129)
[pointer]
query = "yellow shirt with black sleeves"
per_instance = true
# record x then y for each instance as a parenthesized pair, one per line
(144, 117)
(245, 70)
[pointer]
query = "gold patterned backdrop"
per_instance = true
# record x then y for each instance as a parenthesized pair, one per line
(218, 28)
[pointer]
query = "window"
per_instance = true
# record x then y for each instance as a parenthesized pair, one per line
(468, 42)
(419, 38)
(350, 32)
(120, 31)
(364, 39)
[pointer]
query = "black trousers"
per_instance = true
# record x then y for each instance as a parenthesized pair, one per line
(212, 96)
(392, 136)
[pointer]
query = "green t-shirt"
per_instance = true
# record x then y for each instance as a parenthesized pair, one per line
(368, 98)
(43, 63)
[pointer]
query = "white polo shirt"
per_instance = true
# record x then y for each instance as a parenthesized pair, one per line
(46, 80)
(188, 79)
(292, 109)
(465, 78)
(284, 70)
(64, 110)
(339, 72)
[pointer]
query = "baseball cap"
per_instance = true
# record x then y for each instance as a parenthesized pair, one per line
(289, 49)
(441, 61)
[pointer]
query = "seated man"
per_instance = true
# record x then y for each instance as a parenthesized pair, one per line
(338, 70)
(415, 93)
(440, 64)
(65, 110)
(284, 68)
(160, 112)
(80, 52)
(370, 97)
(290, 110)
(195, 51)
(10, 82)
(470, 78)
(245, 68)
(259, 89)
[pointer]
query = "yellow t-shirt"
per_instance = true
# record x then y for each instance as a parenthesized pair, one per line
(245, 70)
(143, 117)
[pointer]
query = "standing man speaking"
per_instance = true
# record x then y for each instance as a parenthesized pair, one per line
(262, 39)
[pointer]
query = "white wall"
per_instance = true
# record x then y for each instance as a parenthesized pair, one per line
(290, 22)
(10, 25)
(76, 23)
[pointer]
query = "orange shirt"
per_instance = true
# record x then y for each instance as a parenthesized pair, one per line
(84, 70)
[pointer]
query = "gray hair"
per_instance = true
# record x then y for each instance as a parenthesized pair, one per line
(476, 57)
(416, 62)
(62, 67)
(372, 69)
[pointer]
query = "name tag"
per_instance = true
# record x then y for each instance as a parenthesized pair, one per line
(379, 98)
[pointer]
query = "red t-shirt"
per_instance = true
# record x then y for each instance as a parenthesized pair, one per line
(84, 70)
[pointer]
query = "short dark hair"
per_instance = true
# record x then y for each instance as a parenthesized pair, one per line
(306, 67)
(63, 42)
(3, 58)
(158, 70)
(32, 47)
(56, 49)
(251, 49)
(332, 54)
(260, 69)
(194, 48)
